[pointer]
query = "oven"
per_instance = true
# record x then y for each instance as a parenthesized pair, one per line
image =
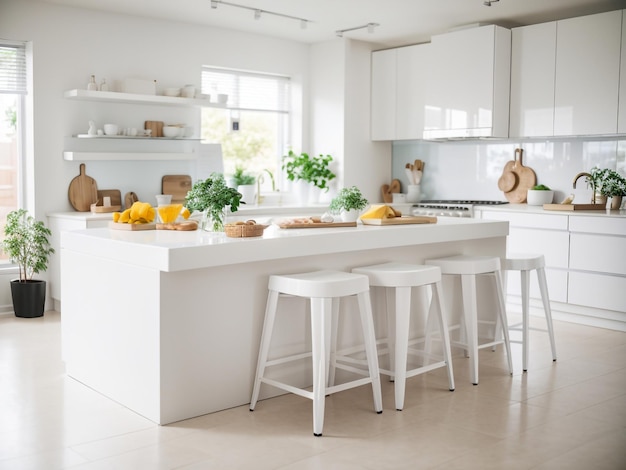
(450, 208)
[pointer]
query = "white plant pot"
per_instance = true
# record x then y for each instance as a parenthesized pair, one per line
(537, 197)
(248, 193)
(350, 216)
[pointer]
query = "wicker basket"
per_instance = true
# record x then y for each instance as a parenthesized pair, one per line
(242, 231)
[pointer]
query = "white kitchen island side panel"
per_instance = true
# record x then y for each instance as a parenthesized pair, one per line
(186, 342)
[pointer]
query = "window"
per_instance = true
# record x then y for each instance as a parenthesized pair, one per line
(12, 105)
(254, 130)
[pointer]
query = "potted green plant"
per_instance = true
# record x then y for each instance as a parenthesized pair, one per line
(245, 184)
(313, 170)
(348, 203)
(212, 197)
(27, 244)
(539, 195)
(608, 183)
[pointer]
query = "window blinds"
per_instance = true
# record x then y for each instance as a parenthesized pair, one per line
(12, 68)
(248, 90)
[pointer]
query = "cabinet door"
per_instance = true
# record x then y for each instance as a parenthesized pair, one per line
(533, 58)
(621, 119)
(468, 90)
(412, 67)
(383, 105)
(587, 74)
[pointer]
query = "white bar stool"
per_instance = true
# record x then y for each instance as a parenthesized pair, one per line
(468, 267)
(524, 263)
(402, 278)
(324, 288)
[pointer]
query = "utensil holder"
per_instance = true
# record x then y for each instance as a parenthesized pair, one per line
(414, 193)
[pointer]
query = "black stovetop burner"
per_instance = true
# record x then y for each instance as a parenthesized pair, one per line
(461, 201)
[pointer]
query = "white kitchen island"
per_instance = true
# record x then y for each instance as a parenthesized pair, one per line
(168, 323)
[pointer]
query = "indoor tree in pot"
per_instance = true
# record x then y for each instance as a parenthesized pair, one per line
(27, 244)
(348, 203)
(212, 197)
(312, 170)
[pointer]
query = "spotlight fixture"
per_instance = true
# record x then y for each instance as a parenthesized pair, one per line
(370, 29)
(258, 12)
(488, 3)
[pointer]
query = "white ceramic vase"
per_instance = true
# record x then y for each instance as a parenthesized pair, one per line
(350, 216)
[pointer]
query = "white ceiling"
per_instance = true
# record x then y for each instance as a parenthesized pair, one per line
(401, 21)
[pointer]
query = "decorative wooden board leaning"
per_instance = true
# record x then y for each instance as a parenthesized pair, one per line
(574, 207)
(103, 209)
(176, 185)
(418, 219)
(181, 226)
(131, 227)
(388, 190)
(516, 179)
(83, 191)
(317, 225)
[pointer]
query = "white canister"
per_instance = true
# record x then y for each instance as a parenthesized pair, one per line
(188, 91)
(414, 193)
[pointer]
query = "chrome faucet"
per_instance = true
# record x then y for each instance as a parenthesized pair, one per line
(590, 181)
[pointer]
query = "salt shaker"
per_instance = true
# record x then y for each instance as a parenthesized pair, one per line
(92, 85)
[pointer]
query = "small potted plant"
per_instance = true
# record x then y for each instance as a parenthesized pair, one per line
(539, 195)
(312, 170)
(348, 203)
(608, 183)
(27, 244)
(212, 197)
(245, 184)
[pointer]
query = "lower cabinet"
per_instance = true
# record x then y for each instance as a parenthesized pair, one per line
(585, 263)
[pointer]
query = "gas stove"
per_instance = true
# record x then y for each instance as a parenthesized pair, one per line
(450, 208)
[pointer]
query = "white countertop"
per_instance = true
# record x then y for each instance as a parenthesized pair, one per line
(525, 208)
(166, 250)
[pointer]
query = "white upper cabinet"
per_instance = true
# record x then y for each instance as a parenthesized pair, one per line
(621, 118)
(587, 74)
(533, 59)
(383, 105)
(398, 77)
(467, 91)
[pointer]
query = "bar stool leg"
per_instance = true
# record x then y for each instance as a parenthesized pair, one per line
(403, 312)
(266, 338)
(503, 320)
(391, 327)
(334, 326)
(525, 275)
(543, 288)
(468, 286)
(437, 302)
(320, 315)
(367, 322)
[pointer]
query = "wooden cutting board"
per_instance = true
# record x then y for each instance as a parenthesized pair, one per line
(129, 199)
(517, 179)
(131, 227)
(318, 225)
(176, 185)
(418, 219)
(388, 190)
(83, 191)
(114, 194)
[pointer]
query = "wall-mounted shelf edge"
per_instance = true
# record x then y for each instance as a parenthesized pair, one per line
(110, 156)
(134, 98)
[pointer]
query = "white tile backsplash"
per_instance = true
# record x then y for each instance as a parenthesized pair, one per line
(470, 169)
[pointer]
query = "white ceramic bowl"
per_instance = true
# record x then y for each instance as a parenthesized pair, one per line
(538, 197)
(111, 129)
(171, 131)
(171, 92)
(222, 98)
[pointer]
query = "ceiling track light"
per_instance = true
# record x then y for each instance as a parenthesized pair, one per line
(488, 3)
(258, 12)
(369, 26)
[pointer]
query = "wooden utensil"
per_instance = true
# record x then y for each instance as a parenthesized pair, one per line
(526, 179)
(129, 199)
(83, 191)
(176, 185)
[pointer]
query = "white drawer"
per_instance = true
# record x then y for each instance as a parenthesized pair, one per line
(538, 221)
(600, 253)
(553, 244)
(602, 225)
(557, 284)
(597, 290)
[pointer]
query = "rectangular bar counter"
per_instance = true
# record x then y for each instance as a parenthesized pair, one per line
(168, 323)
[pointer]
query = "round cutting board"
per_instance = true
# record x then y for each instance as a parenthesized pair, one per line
(523, 179)
(83, 191)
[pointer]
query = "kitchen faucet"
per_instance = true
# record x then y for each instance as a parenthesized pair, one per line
(260, 179)
(590, 181)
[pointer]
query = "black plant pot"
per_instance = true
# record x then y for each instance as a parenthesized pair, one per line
(29, 298)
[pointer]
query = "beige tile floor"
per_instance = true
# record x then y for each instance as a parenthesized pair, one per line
(569, 414)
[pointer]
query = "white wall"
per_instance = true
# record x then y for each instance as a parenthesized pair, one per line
(470, 169)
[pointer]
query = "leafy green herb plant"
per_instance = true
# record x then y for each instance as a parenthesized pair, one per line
(310, 169)
(241, 178)
(211, 197)
(27, 243)
(541, 187)
(608, 182)
(348, 199)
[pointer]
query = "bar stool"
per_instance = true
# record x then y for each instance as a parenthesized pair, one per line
(402, 278)
(324, 289)
(524, 263)
(468, 267)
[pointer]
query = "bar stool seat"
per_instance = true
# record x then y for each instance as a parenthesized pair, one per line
(468, 268)
(524, 263)
(324, 289)
(402, 278)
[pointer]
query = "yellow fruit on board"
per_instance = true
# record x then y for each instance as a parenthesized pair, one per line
(185, 213)
(116, 216)
(379, 211)
(124, 217)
